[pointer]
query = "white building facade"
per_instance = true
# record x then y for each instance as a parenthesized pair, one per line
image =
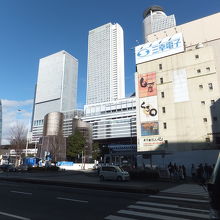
(56, 89)
(105, 71)
(177, 88)
(112, 120)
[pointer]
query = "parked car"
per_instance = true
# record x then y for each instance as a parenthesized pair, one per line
(214, 191)
(22, 167)
(8, 168)
(112, 172)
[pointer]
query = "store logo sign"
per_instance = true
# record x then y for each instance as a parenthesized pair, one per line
(160, 48)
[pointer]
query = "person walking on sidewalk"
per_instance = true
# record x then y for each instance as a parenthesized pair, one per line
(193, 172)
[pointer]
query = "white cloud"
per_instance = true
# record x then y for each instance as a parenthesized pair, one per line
(15, 112)
(12, 103)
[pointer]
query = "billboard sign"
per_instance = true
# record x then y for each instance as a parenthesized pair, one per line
(151, 143)
(160, 48)
(147, 85)
(148, 109)
(149, 128)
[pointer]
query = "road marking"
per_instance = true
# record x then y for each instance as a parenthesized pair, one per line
(180, 199)
(26, 193)
(169, 211)
(189, 189)
(73, 200)
(150, 215)
(171, 206)
(113, 217)
(14, 216)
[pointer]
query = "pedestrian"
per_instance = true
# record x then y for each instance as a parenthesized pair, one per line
(184, 171)
(200, 174)
(193, 172)
(210, 169)
(171, 169)
(180, 172)
(175, 171)
(206, 174)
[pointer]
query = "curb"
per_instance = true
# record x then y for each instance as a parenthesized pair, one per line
(107, 187)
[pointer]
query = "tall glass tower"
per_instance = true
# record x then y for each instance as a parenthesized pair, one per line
(0, 121)
(105, 71)
(56, 89)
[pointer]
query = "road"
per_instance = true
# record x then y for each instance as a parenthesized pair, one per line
(33, 201)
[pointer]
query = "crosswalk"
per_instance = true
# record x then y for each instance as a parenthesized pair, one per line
(183, 202)
(188, 189)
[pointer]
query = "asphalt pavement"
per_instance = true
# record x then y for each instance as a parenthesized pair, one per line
(28, 201)
(87, 179)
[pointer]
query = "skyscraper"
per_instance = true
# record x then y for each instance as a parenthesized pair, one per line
(0, 121)
(156, 20)
(105, 72)
(56, 88)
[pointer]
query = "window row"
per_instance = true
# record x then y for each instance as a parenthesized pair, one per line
(212, 102)
(215, 119)
(210, 85)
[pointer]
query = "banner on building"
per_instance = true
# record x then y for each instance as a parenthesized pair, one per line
(160, 48)
(149, 128)
(180, 86)
(148, 109)
(147, 85)
(151, 143)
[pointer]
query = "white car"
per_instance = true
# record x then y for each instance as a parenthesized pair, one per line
(113, 173)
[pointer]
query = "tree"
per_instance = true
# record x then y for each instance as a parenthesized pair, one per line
(96, 153)
(18, 138)
(75, 145)
(57, 147)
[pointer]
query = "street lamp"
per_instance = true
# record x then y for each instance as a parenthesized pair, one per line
(28, 133)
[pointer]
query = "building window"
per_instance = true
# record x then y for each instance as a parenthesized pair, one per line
(212, 102)
(162, 95)
(208, 68)
(203, 102)
(204, 119)
(210, 86)
(163, 109)
(160, 66)
(196, 56)
(207, 140)
(200, 86)
(198, 70)
(165, 125)
(161, 80)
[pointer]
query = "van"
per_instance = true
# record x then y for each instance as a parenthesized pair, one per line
(214, 191)
(113, 173)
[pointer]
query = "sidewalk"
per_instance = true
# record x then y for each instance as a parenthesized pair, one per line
(86, 179)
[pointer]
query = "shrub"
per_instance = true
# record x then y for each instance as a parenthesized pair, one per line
(148, 174)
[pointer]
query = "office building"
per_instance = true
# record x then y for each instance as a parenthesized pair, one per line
(113, 122)
(114, 128)
(52, 145)
(156, 20)
(178, 89)
(0, 121)
(56, 89)
(69, 116)
(105, 71)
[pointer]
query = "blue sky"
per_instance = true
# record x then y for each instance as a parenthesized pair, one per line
(32, 29)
